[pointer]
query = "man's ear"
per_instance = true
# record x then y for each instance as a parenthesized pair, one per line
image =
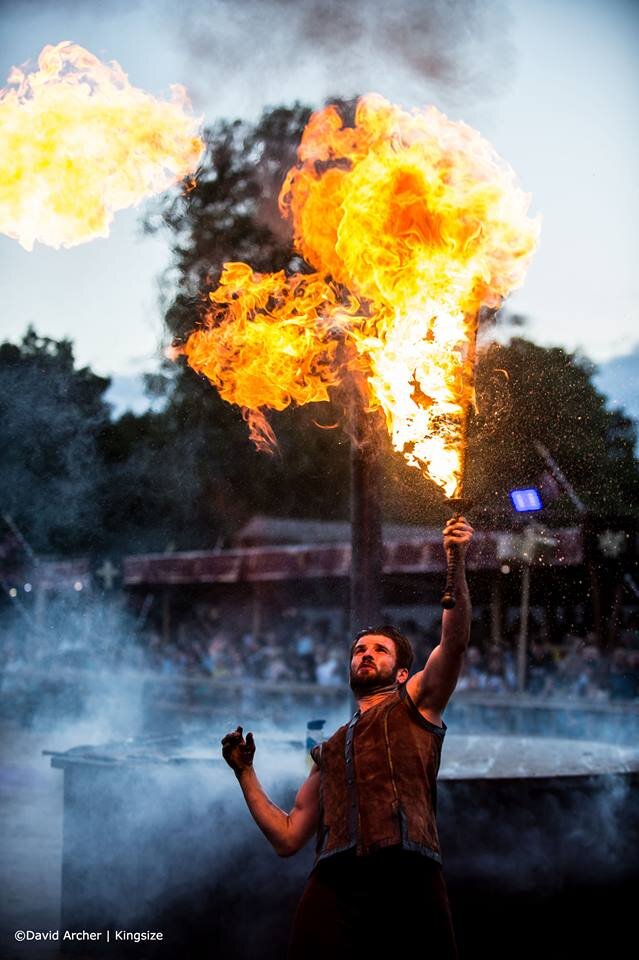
(402, 675)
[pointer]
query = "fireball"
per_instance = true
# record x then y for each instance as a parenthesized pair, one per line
(79, 143)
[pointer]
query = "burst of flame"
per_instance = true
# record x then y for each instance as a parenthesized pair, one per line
(79, 143)
(269, 341)
(412, 223)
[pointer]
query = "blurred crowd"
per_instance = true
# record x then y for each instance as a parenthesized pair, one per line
(295, 648)
(298, 649)
(575, 668)
(292, 650)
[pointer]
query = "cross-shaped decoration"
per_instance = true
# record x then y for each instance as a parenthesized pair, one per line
(107, 573)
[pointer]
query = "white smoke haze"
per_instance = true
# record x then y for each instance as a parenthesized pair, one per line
(154, 821)
(156, 825)
(262, 52)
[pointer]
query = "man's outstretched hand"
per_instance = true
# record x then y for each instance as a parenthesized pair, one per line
(457, 531)
(237, 751)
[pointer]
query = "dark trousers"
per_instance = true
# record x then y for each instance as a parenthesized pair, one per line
(354, 906)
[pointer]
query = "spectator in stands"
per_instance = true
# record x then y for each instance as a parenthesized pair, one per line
(254, 657)
(568, 678)
(622, 678)
(633, 666)
(495, 679)
(304, 646)
(275, 666)
(540, 677)
(216, 652)
(509, 661)
(169, 662)
(593, 679)
(473, 675)
(330, 667)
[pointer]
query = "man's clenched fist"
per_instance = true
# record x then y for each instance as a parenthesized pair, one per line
(457, 533)
(237, 751)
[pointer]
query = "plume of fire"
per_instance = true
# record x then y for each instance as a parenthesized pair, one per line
(79, 143)
(413, 223)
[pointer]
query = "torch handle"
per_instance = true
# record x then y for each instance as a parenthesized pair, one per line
(448, 596)
(460, 506)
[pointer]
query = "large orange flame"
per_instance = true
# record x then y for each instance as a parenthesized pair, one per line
(79, 143)
(413, 223)
(269, 341)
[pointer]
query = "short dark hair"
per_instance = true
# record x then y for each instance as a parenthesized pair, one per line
(403, 646)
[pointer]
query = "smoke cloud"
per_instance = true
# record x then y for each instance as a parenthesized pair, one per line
(281, 50)
(157, 835)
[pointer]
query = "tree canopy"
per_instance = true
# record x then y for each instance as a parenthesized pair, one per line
(526, 394)
(549, 396)
(232, 211)
(51, 415)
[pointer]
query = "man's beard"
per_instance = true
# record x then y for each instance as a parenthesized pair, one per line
(372, 680)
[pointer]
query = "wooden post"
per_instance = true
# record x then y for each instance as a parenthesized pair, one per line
(496, 612)
(522, 643)
(615, 616)
(256, 610)
(366, 523)
(166, 617)
(595, 593)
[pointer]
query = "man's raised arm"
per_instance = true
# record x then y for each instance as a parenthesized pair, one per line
(286, 832)
(432, 687)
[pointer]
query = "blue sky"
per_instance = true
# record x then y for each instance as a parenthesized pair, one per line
(552, 85)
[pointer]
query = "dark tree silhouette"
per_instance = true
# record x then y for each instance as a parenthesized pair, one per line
(529, 393)
(231, 213)
(51, 414)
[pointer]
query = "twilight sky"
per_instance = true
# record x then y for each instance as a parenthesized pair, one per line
(553, 85)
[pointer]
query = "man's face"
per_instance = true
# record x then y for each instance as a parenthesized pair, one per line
(374, 663)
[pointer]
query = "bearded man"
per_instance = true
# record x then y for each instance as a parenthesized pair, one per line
(371, 798)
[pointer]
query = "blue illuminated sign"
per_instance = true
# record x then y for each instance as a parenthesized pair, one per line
(525, 501)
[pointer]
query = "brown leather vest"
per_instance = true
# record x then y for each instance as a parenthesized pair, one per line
(378, 781)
